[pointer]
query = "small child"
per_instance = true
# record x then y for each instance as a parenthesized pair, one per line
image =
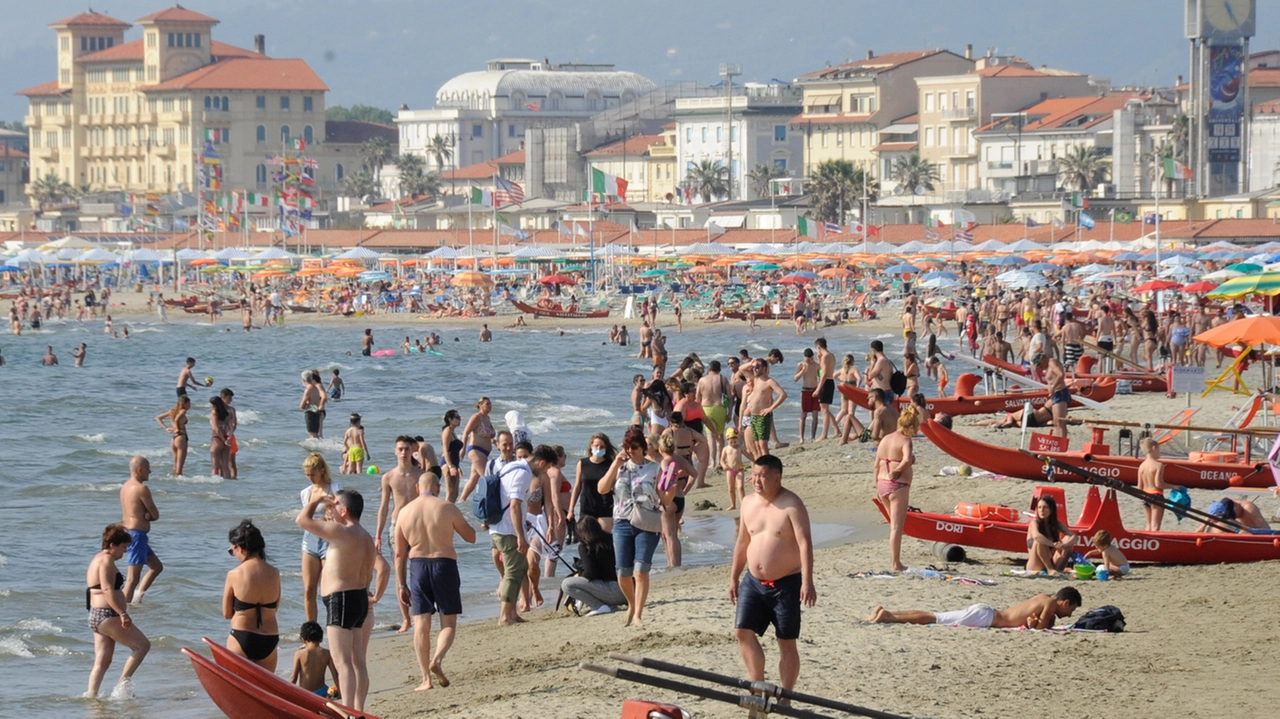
(311, 661)
(336, 387)
(1112, 560)
(354, 450)
(731, 463)
(939, 370)
(668, 469)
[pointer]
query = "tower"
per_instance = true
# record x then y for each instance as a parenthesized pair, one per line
(175, 42)
(83, 34)
(1219, 31)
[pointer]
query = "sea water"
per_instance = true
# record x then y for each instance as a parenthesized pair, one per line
(66, 436)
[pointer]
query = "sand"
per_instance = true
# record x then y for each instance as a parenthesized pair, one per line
(1194, 643)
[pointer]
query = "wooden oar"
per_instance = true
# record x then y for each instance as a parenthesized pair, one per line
(1249, 431)
(763, 688)
(1137, 368)
(754, 704)
(1028, 382)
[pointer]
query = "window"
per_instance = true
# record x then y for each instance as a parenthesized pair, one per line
(511, 130)
(51, 139)
(207, 102)
(66, 138)
(306, 134)
(688, 134)
(260, 174)
(307, 104)
(928, 102)
(64, 76)
(262, 134)
(284, 134)
(719, 134)
(839, 137)
(184, 136)
(152, 73)
(65, 45)
(958, 143)
(171, 44)
(260, 102)
(780, 164)
(477, 130)
(779, 133)
(96, 74)
(704, 133)
(928, 137)
(942, 136)
(35, 139)
(120, 74)
(226, 104)
(50, 108)
(337, 173)
(197, 39)
(824, 137)
(955, 99)
(942, 101)
(168, 136)
(167, 104)
(733, 134)
(152, 39)
(284, 103)
(969, 101)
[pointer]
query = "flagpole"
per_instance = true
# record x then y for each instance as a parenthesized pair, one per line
(1113, 225)
(1159, 181)
(495, 220)
(591, 236)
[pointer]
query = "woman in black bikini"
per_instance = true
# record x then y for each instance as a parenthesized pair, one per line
(250, 598)
(452, 453)
(178, 428)
(220, 444)
(108, 612)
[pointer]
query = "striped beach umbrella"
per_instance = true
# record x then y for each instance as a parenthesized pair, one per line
(1266, 283)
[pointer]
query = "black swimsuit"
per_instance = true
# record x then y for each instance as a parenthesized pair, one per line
(256, 646)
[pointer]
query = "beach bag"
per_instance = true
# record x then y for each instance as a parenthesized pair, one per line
(897, 381)
(644, 519)
(486, 503)
(1106, 619)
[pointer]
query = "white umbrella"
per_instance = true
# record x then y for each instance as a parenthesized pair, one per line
(97, 256)
(145, 254)
(358, 253)
(709, 248)
(1181, 272)
(940, 283)
(1092, 269)
(913, 246)
(68, 253)
(1177, 261)
(1220, 275)
(189, 254)
(231, 253)
(534, 251)
(31, 257)
(990, 246)
(274, 253)
(615, 249)
(1028, 279)
(1024, 245)
(444, 252)
(839, 248)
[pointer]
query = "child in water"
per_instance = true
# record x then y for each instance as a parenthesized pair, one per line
(731, 463)
(311, 661)
(354, 450)
(1112, 560)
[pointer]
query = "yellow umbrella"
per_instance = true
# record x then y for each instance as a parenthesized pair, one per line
(471, 278)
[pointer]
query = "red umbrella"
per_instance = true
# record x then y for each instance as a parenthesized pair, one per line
(1156, 286)
(1199, 288)
(795, 280)
(556, 280)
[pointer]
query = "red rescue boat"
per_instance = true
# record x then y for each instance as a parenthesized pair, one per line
(764, 313)
(1138, 381)
(964, 402)
(558, 312)
(1097, 458)
(1098, 513)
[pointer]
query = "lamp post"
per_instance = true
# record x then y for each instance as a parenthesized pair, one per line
(729, 70)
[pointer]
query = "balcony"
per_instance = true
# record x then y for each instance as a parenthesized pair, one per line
(1000, 169)
(45, 153)
(1040, 167)
(959, 114)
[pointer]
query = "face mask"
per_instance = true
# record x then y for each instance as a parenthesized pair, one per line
(598, 452)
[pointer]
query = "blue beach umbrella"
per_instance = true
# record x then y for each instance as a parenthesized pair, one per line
(1006, 260)
(1040, 267)
(902, 269)
(939, 274)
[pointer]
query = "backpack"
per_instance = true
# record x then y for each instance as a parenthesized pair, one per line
(486, 503)
(1106, 618)
(897, 381)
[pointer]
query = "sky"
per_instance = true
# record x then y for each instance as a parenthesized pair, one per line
(392, 52)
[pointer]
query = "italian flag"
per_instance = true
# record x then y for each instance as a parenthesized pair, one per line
(257, 200)
(1175, 170)
(602, 183)
(306, 201)
(481, 197)
(809, 228)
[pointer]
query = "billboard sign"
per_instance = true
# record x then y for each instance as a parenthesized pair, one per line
(1226, 103)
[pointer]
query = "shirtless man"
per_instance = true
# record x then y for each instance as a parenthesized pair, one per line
(1242, 512)
(826, 392)
(49, 359)
(1199, 322)
(80, 353)
(1072, 336)
(646, 339)
(423, 536)
(1151, 482)
(879, 371)
(344, 586)
(401, 486)
(1059, 395)
(366, 342)
(312, 405)
(486, 334)
(1038, 612)
(807, 375)
(1107, 337)
(139, 511)
(758, 405)
(712, 389)
(186, 379)
(775, 547)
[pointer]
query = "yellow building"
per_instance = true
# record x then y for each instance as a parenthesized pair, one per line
(649, 178)
(663, 177)
(132, 116)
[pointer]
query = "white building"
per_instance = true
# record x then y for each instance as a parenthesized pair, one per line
(483, 115)
(760, 133)
(1264, 146)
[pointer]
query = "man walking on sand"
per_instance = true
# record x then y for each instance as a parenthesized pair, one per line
(344, 586)
(423, 538)
(775, 547)
(400, 486)
(139, 511)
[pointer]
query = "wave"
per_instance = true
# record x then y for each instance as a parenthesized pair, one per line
(433, 399)
(33, 626)
(542, 426)
(328, 444)
(247, 416)
(575, 413)
(152, 454)
(15, 647)
(99, 438)
(510, 404)
(195, 479)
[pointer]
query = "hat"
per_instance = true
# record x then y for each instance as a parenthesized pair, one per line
(730, 433)
(1223, 509)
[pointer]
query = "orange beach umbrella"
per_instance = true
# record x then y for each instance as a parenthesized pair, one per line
(1250, 331)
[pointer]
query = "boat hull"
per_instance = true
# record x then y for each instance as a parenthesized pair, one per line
(560, 314)
(243, 701)
(986, 404)
(1138, 381)
(254, 675)
(1098, 514)
(1014, 463)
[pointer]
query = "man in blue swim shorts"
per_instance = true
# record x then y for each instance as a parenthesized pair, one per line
(139, 511)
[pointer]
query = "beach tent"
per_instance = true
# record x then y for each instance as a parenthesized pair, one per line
(232, 253)
(1023, 245)
(358, 253)
(713, 249)
(990, 246)
(274, 253)
(145, 255)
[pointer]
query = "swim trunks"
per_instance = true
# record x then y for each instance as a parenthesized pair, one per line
(1157, 496)
(366, 352)
(346, 609)
(1106, 343)
(98, 615)
(139, 550)
(714, 418)
(1062, 395)
(313, 421)
(434, 584)
(977, 616)
(1071, 353)
(760, 426)
(828, 393)
(761, 603)
(182, 391)
(235, 446)
(808, 403)
(355, 454)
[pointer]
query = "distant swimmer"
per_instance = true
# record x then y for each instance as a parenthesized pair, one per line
(186, 379)
(486, 334)
(139, 511)
(80, 353)
(1038, 612)
(233, 423)
(312, 404)
(337, 387)
(49, 359)
(366, 343)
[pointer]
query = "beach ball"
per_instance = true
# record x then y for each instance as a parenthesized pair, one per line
(208, 381)
(373, 469)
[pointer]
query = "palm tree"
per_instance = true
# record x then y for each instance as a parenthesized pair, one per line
(1180, 137)
(51, 190)
(440, 149)
(360, 184)
(376, 152)
(761, 178)
(913, 171)
(1082, 168)
(836, 187)
(414, 179)
(709, 179)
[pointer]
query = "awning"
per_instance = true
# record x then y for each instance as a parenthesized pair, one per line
(901, 128)
(822, 100)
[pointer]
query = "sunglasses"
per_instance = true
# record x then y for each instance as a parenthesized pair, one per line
(231, 551)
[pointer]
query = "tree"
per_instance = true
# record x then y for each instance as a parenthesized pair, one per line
(51, 190)
(1082, 168)
(709, 179)
(836, 187)
(414, 179)
(360, 184)
(440, 150)
(914, 171)
(761, 178)
(1180, 137)
(376, 152)
(359, 113)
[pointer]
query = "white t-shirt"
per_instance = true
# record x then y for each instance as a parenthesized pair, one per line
(516, 478)
(334, 488)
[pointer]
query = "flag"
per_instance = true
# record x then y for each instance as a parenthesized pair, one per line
(506, 192)
(1086, 221)
(1079, 201)
(936, 221)
(305, 177)
(808, 227)
(257, 200)
(1057, 222)
(605, 184)
(857, 228)
(965, 219)
(310, 162)
(687, 194)
(873, 231)
(481, 197)
(1032, 223)
(1125, 217)
(563, 230)
(532, 106)
(287, 161)
(580, 231)
(833, 228)
(1148, 218)
(780, 187)
(299, 144)
(714, 230)
(929, 235)
(1175, 170)
(126, 210)
(210, 156)
(275, 161)
(212, 135)
(519, 234)
(964, 236)
(305, 201)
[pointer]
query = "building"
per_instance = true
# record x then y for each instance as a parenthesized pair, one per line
(13, 175)
(1264, 145)
(951, 107)
(760, 133)
(132, 115)
(480, 116)
(846, 106)
(631, 160)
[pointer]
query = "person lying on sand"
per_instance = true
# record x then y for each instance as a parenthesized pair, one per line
(1038, 612)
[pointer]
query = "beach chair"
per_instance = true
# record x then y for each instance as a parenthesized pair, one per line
(1182, 419)
(1244, 417)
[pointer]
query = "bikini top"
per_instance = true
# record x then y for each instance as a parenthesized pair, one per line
(118, 585)
(240, 606)
(535, 496)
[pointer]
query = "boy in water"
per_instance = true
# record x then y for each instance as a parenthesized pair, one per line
(731, 463)
(311, 661)
(1116, 564)
(354, 449)
(336, 387)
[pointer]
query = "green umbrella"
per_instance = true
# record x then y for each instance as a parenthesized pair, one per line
(1245, 267)
(764, 268)
(1267, 283)
(653, 273)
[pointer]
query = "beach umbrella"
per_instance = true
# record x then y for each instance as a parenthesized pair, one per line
(232, 253)
(764, 267)
(1006, 260)
(1027, 279)
(97, 256)
(653, 273)
(902, 269)
(940, 283)
(1182, 273)
(374, 276)
(835, 272)
(1040, 267)
(1199, 288)
(203, 262)
(358, 253)
(1250, 331)
(714, 249)
(1178, 261)
(1267, 284)
(146, 254)
(10, 268)
(31, 257)
(1245, 267)
(806, 274)
(1220, 275)
(1156, 286)
(471, 278)
(795, 279)
(1128, 257)
(1090, 269)
(939, 274)
(556, 280)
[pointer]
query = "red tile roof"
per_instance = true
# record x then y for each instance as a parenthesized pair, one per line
(878, 63)
(896, 146)
(1265, 77)
(6, 151)
(1057, 112)
(484, 170)
(49, 88)
(1271, 107)
(90, 19)
(404, 202)
(355, 132)
(247, 73)
(133, 51)
(636, 146)
(177, 13)
(1010, 71)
